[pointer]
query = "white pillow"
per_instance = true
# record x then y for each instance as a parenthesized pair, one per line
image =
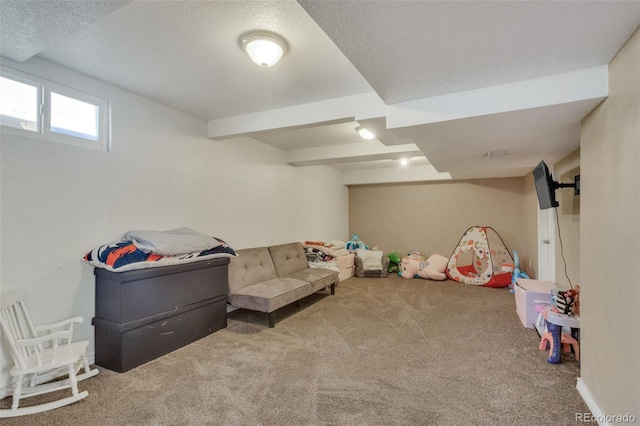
(371, 259)
(171, 243)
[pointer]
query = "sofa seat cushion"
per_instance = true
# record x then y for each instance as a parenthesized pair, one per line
(318, 277)
(267, 296)
(288, 258)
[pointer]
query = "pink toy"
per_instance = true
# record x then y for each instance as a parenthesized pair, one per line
(568, 342)
(410, 264)
(432, 268)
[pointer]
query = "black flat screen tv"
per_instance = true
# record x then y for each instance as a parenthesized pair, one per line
(545, 187)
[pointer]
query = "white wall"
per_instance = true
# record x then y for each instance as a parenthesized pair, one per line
(59, 201)
(609, 235)
(430, 217)
(567, 244)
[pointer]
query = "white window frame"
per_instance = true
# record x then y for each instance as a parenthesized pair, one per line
(45, 87)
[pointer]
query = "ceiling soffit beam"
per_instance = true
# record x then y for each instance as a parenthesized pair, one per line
(588, 83)
(393, 175)
(355, 107)
(378, 126)
(349, 153)
(550, 132)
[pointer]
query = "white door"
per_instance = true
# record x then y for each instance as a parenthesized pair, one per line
(547, 245)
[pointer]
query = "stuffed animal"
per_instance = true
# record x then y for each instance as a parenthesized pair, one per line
(356, 243)
(394, 261)
(576, 303)
(517, 273)
(566, 301)
(434, 267)
(417, 266)
(410, 264)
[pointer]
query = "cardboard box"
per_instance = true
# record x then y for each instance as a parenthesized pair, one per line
(528, 293)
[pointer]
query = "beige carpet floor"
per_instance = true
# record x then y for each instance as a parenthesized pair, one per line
(379, 352)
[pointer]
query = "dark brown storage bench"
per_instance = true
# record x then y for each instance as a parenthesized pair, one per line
(144, 314)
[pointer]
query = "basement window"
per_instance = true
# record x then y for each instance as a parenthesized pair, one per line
(19, 101)
(38, 108)
(73, 117)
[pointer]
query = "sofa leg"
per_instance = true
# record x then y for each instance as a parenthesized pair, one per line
(272, 319)
(333, 288)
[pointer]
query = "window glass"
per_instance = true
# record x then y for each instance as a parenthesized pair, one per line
(19, 105)
(42, 109)
(73, 117)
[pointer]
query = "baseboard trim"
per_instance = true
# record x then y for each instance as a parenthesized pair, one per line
(587, 397)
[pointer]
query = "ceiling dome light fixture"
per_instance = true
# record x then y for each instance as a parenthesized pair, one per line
(365, 133)
(263, 47)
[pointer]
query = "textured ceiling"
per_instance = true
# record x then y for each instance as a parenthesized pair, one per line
(440, 82)
(187, 55)
(415, 49)
(22, 24)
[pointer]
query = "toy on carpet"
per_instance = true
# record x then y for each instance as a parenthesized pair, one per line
(356, 243)
(575, 310)
(416, 265)
(394, 261)
(567, 302)
(409, 265)
(478, 259)
(517, 273)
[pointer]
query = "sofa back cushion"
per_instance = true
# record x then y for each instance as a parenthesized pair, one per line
(288, 258)
(251, 266)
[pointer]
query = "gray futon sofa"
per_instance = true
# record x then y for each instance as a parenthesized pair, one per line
(267, 278)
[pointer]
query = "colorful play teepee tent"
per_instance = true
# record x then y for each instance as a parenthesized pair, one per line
(478, 259)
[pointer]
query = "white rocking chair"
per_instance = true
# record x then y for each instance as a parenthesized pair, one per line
(41, 354)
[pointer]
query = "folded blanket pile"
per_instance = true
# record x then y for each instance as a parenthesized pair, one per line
(149, 249)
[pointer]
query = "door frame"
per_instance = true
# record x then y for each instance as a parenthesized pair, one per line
(547, 245)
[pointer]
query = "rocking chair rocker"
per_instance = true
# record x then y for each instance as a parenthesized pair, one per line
(42, 353)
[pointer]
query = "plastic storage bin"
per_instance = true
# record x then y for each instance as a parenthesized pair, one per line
(528, 293)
